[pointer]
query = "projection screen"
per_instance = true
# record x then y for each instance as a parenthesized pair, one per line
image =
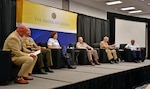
(126, 30)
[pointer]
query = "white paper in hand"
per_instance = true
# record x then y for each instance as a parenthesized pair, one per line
(37, 52)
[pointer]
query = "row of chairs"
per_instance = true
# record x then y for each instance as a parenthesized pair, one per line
(123, 54)
(79, 56)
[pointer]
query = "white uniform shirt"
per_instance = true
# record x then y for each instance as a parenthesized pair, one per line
(53, 42)
(132, 47)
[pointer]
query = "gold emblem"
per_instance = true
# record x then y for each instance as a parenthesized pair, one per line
(54, 15)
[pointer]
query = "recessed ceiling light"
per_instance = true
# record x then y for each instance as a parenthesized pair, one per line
(127, 8)
(113, 2)
(137, 11)
(148, 4)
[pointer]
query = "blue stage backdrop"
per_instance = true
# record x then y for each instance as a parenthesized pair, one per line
(43, 35)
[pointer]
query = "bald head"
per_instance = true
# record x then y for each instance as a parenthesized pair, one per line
(80, 39)
(132, 42)
(106, 39)
(28, 33)
(22, 29)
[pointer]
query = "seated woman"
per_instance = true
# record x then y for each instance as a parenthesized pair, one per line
(54, 44)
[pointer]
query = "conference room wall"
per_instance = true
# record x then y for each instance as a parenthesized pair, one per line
(86, 10)
(52, 3)
(75, 7)
(80, 8)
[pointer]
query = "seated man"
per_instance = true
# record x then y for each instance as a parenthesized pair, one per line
(135, 49)
(90, 51)
(27, 61)
(30, 46)
(54, 44)
(110, 50)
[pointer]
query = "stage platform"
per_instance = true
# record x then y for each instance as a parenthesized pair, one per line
(124, 75)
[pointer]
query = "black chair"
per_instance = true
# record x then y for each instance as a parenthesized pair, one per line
(121, 52)
(102, 53)
(82, 57)
(143, 51)
(74, 53)
(57, 59)
(126, 54)
(8, 70)
(96, 46)
(122, 46)
(82, 54)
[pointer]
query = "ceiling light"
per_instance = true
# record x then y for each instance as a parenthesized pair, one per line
(137, 11)
(114, 2)
(127, 8)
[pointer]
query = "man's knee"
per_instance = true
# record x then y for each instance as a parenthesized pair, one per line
(113, 50)
(89, 51)
(47, 50)
(31, 59)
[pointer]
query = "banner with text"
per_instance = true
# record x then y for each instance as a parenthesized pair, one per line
(39, 16)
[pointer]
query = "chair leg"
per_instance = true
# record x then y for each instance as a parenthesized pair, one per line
(76, 59)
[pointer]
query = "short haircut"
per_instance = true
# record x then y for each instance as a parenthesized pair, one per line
(52, 34)
(106, 37)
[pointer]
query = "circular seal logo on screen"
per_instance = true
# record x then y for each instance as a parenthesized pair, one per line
(54, 15)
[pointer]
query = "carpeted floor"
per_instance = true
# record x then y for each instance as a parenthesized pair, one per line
(64, 76)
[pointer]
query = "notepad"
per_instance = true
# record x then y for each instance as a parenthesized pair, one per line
(37, 52)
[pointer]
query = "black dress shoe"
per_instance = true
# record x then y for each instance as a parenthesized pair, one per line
(97, 63)
(71, 67)
(111, 62)
(136, 61)
(142, 60)
(42, 71)
(48, 69)
(116, 61)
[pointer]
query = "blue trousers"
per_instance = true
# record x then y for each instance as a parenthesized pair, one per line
(136, 54)
(66, 55)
